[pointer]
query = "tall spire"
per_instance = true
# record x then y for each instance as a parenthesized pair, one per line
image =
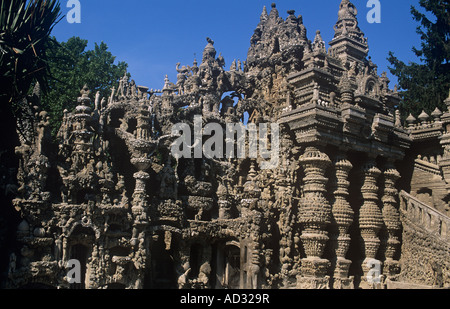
(209, 53)
(318, 44)
(347, 24)
(349, 42)
(264, 15)
(274, 12)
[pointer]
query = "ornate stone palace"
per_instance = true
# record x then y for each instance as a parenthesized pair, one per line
(358, 199)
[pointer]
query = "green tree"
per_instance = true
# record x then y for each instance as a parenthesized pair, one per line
(425, 85)
(24, 34)
(72, 66)
(25, 28)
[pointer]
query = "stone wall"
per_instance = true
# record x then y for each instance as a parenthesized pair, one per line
(428, 186)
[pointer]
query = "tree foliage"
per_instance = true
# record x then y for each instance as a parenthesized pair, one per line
(24, 35)
(425, 85)
(25, 28)
(72, 66)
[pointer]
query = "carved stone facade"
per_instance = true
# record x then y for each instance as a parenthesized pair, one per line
(111, 194)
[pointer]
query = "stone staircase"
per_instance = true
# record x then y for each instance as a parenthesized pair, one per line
(426, 246)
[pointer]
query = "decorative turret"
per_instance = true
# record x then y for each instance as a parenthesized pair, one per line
(436, 114)
(347, 24)
(410, 121)
(319, 43)
(167, 92)
(80, 122)
(423, 117)
(209, 53)
(273, 15)
(349, 43)
(264, 15)
(84, 101)
(274, 35)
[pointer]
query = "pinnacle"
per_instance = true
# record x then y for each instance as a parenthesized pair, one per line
(347, 27)
(274, 12)
(423, 116)
(264, 14)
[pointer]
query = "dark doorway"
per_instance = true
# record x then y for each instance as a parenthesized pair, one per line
(195, 260)
(80, 252)
(162, 274)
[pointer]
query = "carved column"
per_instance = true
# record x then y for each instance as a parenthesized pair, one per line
(251, 232)
(140, 196)
(391, 217)
(139, 211)
(370, 216)
(141, 147)
(314, 216)
(343, 216)
(82, 152)
(224, 200)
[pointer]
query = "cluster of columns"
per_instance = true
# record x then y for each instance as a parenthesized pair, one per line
(326, 220)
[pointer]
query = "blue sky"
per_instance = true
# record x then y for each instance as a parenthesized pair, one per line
(152, 36)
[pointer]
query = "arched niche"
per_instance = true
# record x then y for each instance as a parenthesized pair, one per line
(227, 265)
(79, 247)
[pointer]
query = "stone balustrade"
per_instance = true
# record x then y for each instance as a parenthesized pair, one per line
(425, 216)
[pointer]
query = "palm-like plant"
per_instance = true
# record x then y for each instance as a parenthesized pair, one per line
(25, 27)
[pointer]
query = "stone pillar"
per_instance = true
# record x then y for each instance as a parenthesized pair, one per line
(343, 216)
(314, 216)
(251, 232)
(224, 201)
(254, 265)
(141, 148)
(82, 152)
(391, 217)
(139, 211)
(370, 218)
(140, 196)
